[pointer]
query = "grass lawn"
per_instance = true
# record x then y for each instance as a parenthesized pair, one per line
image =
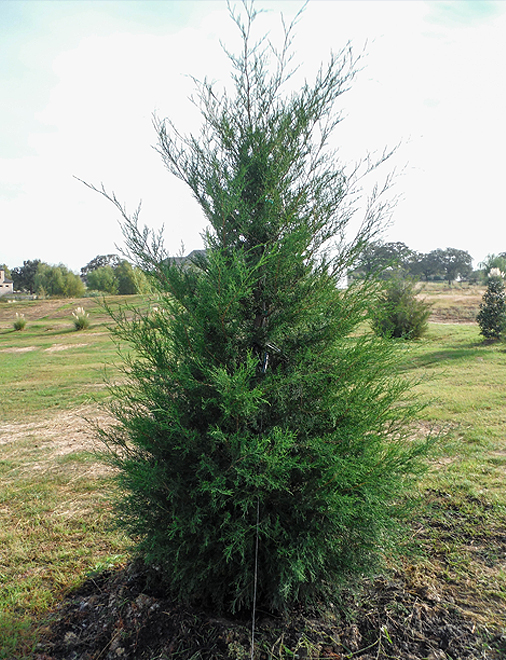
(54, 509)
(463, 531)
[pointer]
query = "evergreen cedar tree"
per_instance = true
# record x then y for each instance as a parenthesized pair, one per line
(260, 437)
(492, 315)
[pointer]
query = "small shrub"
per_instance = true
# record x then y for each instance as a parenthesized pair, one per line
(81, 319)
(20, 322)
(492, 315)
(399, 313)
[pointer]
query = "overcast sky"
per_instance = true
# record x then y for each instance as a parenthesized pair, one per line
(80, 81)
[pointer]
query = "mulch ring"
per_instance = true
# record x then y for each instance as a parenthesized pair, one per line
(114, 615)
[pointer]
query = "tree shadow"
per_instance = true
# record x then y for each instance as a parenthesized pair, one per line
(466, 352)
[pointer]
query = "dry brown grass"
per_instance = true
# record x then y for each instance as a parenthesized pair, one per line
(60, 434)
(459, 303)
(55, 517)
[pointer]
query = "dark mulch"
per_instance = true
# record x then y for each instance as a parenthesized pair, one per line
(116, 615)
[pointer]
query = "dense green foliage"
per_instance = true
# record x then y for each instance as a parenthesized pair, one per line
(455, 263)
(129, 280)
(260, 437)
(38, 277)
(57, 281)
(382, 259)
(6, 270)
(113, 275)
(399, 313)
(103, 279)
(105, 273)
(492, 315)
(97, 262)
(23, 276)
(494, 261)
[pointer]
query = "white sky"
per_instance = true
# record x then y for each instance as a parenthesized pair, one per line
(80, 80)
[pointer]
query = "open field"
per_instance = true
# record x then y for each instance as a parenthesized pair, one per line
(458, 303)
(54, 509)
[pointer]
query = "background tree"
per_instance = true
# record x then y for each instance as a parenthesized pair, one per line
(456, 264)
(103, 279)
(99, 261)
(493, 261)
(57, 281)
(395, 259)
(260, 438)
(425, 265)
(126, 278)
(492, 315)
(23, 276)
(384, 259)
(122, 278)
(73, 284)
(49, 280)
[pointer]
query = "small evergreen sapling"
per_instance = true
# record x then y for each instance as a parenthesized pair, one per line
(260, 438)
(492, 315)
(399, 313)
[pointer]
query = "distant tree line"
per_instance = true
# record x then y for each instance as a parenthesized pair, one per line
(388, 259)
(104, 273)
(108, 273)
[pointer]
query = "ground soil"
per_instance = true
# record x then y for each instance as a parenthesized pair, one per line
(117, 615)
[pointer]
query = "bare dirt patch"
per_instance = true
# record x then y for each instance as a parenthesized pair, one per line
(25, 349)
(55, 436)
(121, 614)
(37, 309)
(55, 348)
(64, 432)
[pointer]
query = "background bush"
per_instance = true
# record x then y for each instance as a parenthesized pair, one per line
(398, 312)
(117, 277)
(103, 279)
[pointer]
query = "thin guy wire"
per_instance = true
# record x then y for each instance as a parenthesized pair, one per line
(255, 584)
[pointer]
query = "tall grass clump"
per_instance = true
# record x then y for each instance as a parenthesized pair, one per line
(260, 436)
(81, 319)
(19, 322)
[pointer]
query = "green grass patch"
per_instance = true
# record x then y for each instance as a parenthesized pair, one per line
(55, 513)
(463, 531)
(463, 381)
(50, 365)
